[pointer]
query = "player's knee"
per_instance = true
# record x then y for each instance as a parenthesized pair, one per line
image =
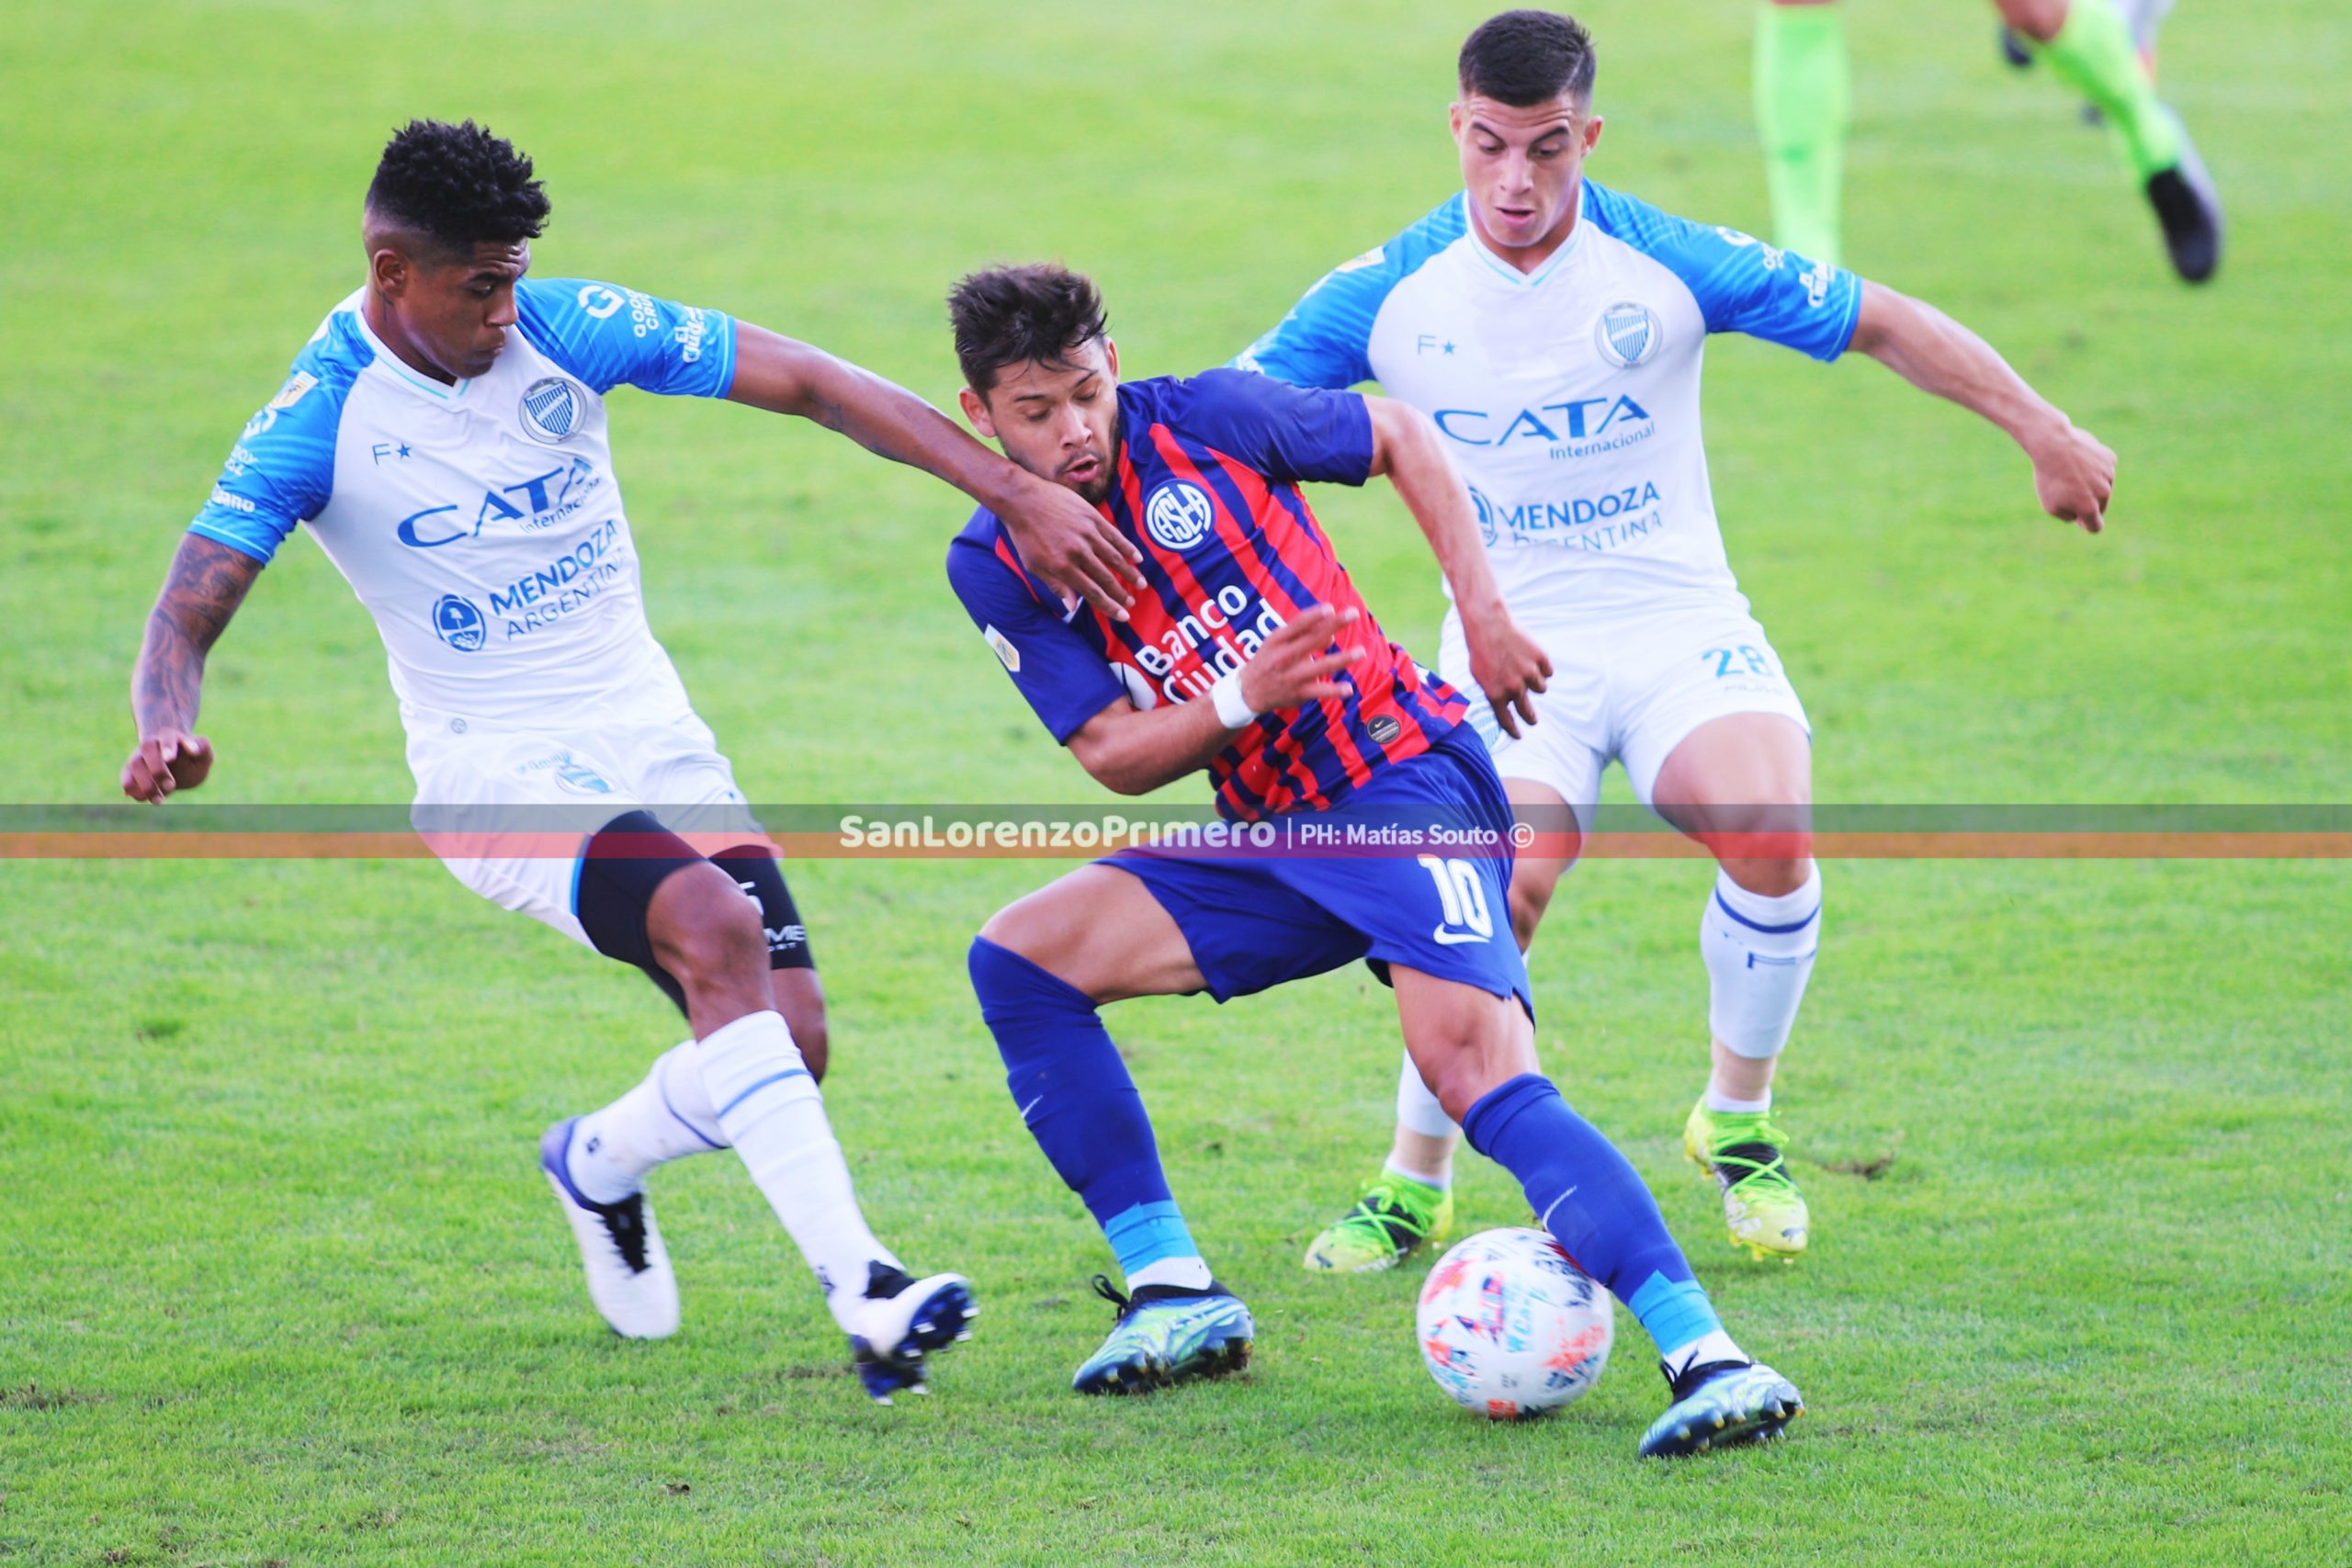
(1028, 927)
(1768, 849)
(1460, 1083)
(1462, 1060)
(705, 932)
(2037, 19)
(1772, 877)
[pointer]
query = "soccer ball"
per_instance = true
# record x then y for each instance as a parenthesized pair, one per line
(1510, 1327)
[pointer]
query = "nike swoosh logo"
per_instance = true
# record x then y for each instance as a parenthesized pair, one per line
(1445, 937)
(1546, 1220)
(1028, 1108)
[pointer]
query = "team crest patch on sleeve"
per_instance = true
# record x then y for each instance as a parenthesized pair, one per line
(1006, 654)
(297, 386)
(1627, 334)
(1372, 257)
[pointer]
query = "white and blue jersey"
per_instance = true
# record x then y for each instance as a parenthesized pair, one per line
(1569, 396)
(480, 521)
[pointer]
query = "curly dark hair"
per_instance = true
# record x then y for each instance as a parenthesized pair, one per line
(1526, 58)
(1008, 315)
(458, 183)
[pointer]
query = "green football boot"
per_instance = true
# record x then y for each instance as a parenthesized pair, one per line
(1761, 1205)
(1392, 1218)
(1166, 1335)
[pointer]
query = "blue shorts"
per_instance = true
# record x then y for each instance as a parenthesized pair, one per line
(1424, 882)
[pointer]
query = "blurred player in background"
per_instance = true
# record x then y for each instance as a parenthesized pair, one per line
(1553, 330)
(2105, 50)
(1251, 655)
(443, 437)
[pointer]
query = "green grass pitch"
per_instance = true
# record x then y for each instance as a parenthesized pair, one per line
(280, 1281)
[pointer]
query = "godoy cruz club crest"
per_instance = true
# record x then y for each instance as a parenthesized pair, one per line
(1627, 334)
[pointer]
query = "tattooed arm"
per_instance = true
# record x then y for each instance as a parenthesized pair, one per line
(207, 583)
(1062, 539)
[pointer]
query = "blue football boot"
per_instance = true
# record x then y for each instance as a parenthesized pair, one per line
(1165, 1334)
(900, 1321)
(1718, 1404)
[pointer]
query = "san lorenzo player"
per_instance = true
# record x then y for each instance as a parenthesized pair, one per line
(1552, 330)
(443, 437)
(1250, 655)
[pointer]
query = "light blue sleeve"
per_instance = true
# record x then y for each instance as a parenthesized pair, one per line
(610, 337)
(1326, 339)
(1742, 283)
(1322, 343)
(282, 468)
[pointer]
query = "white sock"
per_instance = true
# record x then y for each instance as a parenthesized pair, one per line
(1725, 1103)
(770, 1110)
(1417, 1109)
(666, 1117)
(1192, 1273)
(1441, 1180)
(1716, 1346)
(1758, 953)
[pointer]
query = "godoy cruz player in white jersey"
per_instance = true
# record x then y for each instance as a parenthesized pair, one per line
(1552, 330)
(443, 436)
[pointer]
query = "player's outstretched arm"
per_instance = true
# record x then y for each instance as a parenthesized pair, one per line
(1508, 665)
(1061, 538)
(206, 584)
(1135, 750)
(2073, 473)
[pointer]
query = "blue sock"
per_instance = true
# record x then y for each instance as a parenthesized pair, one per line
(1593, 1203)
(1080, 1105)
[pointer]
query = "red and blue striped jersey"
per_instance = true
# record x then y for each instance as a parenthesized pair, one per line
(1208, 470)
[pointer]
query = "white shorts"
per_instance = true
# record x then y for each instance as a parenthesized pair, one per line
(1630, 688)
(509, 811)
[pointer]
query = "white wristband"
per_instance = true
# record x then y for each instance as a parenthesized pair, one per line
(1233, 709)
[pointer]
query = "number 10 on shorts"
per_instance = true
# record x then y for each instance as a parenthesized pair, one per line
(1462, 895)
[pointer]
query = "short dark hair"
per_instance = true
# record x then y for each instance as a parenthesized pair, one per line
(1007, 315)
(457, 185)
(1526, 58)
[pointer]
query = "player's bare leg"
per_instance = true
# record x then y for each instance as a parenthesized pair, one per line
(1101, 932)
(800, 997)
(1409, 1203)
(1742, 785)
(1041, 968)
(1465, 1042)
(1477, 1051)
